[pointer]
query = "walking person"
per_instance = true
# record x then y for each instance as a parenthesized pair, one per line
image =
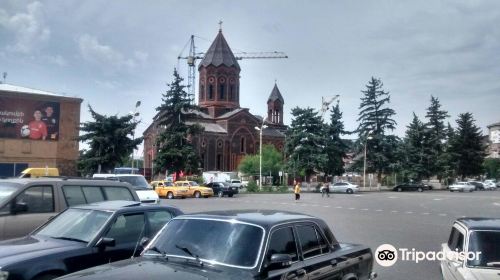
(325, 190)
(297, 191)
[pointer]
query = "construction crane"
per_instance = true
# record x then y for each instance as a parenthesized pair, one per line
(194, 56)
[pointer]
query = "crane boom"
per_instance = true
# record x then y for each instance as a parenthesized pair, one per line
(259, 55)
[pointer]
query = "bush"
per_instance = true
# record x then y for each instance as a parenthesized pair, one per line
(267, 189)
(252, 187)
(283, 189)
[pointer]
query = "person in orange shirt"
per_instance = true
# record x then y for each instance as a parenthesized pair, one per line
(38, 129)
(297, 190)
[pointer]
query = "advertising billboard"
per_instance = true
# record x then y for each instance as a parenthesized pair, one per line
(29, 119)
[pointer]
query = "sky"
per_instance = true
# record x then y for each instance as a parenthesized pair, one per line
(114, 53)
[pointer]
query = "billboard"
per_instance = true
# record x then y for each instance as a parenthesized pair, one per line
(29, 119)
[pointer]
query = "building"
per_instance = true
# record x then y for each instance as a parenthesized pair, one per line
(229, 130)
(493, 150)
(37, 129)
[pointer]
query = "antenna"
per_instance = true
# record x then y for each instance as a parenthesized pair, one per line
(4, 77)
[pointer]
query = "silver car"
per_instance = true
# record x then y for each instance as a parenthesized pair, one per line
(462, 187)
(342, 187)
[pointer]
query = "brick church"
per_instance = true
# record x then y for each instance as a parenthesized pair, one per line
(229, 130)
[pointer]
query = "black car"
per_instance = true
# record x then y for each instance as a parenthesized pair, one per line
(82, 237)
(242, 245)
(222, 188)
(412, 187)
(478, 186)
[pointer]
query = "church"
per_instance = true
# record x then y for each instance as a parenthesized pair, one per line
(230, 131)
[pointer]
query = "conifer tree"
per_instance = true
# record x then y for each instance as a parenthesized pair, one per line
(437, 136)
(336, 148)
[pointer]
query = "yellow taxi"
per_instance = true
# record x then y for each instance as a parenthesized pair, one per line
(194, 189)
(169, 190)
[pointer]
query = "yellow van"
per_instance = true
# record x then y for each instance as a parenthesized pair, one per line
(39, 172)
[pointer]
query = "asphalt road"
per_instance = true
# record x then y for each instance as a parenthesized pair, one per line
(405, 220)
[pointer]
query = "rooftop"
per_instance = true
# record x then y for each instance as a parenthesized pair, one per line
(13, 88)
(219, 53)
(474, 223)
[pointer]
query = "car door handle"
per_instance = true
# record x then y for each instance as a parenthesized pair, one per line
(300, 272)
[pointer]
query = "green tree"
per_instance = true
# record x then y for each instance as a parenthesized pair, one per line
(467, 148)
(175, 152)
(447, 159)
(492, 167)
(437, 135)
(375, 118)
(336, 148)
(109, 141)
(305, 143)
(272, 162)
(416, 156)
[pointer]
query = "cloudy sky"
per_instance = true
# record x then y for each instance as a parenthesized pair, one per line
(113, 53)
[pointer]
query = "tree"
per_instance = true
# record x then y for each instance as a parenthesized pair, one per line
(492, 167)
(416, 158)
(447, 159)
(305, 143)
(375, 118)
(336, 148)
(109, 142)
(437, 135)
(174, 152)
(272, 162)
(467, 148)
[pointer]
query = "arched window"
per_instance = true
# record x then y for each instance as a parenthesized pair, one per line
(221, 91)
(202, 92)
(242, 147)
(211, 92)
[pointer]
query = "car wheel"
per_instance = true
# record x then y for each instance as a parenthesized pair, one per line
(170, 195)
(399, 189)
(471, 190)
(220, 194)
(420, 190)
(451, 190)
(230, 195)
(197, 194)
(349, 191)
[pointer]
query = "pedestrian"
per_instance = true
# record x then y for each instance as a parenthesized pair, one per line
(297, 191)
(325, 190)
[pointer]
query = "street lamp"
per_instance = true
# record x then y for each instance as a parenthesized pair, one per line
(369, 137)
(260, 153)
(134, 114)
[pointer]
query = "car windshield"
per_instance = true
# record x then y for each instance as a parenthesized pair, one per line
(222, 242)
(488, 243)
(138, 182)
(75, 224)
(5, 192)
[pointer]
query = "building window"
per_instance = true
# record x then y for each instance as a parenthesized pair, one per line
(231, 93)
(219, 144)
(202, 160)
(242, 147)
(211, 92)
(221, 91)
(219, 161)
(202, 92)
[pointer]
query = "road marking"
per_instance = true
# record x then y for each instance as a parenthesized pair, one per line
(496, 203)
(339, 207)
(379, 210)
(394, 211)
(364, 209)
(326, 206)
(426, 213)
(358, 195)
(352, 208)
(392, 197)
(409, 212)
(437, 199)
(442, 214)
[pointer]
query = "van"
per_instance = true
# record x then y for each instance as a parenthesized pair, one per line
(26, 203)
(34, 172)
(143, 189)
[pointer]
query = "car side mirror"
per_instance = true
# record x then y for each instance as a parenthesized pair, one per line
(144, 241)
(278, 261)
(105, 242)
(19, 207)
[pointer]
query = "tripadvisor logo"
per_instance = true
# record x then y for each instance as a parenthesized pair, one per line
(387, 255)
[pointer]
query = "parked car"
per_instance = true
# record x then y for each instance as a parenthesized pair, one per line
(411, 187)
(169, 190)
(236, 183)
(470, 236)
(342, 187)
(462, 187)
(221, 189)
(194, 189)
(144, 190)
(82, 237)
(478, 186)
(489, 184)
(262, 245)
(27, 203)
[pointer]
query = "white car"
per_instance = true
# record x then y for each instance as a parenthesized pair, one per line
(489, 185)
(472, 251)
(462, 187)
(144, 191)
(342, 187)
(235, 183)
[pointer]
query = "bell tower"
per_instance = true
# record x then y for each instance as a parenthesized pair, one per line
(219, 85)
(275, 107)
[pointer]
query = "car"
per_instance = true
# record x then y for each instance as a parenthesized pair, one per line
(168, 190)
(236, 183)
(223, 188)
(479, 240)
(143, 189)
(411, 187)
(81, 237)
(242, 244)
(342, 187)
(194, 189)
(462, 187)
(27, 203)
(488, 185)
(478, 186)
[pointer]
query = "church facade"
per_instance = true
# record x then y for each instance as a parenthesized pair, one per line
(230, 131)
